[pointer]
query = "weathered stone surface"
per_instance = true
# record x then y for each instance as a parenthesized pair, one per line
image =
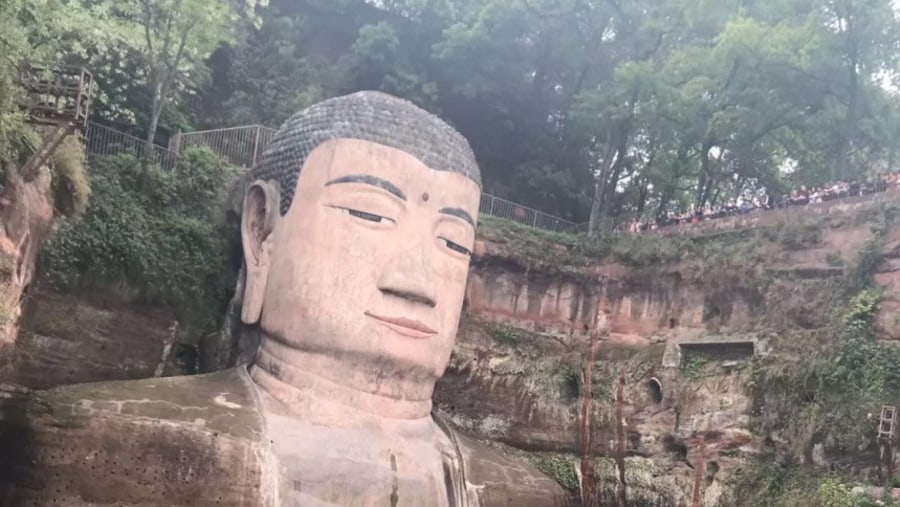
(519, 384)
(67, 339)
(176, 441)
(187, 440)
(500, 480)
(26, 214)
(887, 276)
(339, 420)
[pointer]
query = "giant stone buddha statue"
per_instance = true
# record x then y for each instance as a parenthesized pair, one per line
(357, 233)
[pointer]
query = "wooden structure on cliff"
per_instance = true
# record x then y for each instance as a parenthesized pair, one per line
(887, 427)
(55, 97)
(887, 436)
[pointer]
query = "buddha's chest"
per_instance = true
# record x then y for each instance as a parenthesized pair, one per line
(317, 466)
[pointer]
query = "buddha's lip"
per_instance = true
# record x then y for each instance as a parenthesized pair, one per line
(401, 322)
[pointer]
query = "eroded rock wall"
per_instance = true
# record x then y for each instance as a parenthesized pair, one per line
(678, 317)
(68, 339)
(516, 375)
(26, 216)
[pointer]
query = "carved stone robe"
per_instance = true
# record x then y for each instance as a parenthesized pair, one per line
(202, 440)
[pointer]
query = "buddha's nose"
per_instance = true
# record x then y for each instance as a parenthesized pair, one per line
(410, 275)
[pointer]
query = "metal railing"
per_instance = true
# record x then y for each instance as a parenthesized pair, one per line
(501, 208)
(105, 141)
(242, 146)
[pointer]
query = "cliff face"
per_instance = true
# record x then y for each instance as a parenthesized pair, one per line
(681, 318)
(68, 339)
(26, 215)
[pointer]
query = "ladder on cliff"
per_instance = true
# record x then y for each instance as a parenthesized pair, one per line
(888, 425)
(887, 433)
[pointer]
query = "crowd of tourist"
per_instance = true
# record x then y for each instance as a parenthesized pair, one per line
(748, 203)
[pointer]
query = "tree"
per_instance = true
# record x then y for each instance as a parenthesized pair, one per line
(865, 34)
(176, 36)
(38, 31)
(593, 109)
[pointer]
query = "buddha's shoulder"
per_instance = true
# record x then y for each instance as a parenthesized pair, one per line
(176, 441)
(220, 403)
(500, 479)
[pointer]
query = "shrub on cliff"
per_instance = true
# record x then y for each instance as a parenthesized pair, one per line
(70, 185)
(832, 399)
(152, 230)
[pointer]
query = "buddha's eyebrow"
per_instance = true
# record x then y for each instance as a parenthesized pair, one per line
(459, 213)
(370, 180)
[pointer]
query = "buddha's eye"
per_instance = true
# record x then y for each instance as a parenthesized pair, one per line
(371, 217)
(456, 247)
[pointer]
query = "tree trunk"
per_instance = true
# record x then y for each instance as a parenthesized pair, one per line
(600, 187)
(616, 146)
(704, 182)
(892, 149)
(616, 173)
(663, 202)
(643, 194)
(155, 110)
(847, 143)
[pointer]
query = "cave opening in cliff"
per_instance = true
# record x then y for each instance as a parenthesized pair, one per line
(654, 389)
(712, 468)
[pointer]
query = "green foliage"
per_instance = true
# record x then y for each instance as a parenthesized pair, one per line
(836, 393)
(784, 484)
(692, 364)
(801, 236)
(257, 82)
(795, 235)
(173, 38)
(502, 332)
(71, 186)
(559, 467)
(870, 254)
(834, 493)
(152, 230)
(17, 139)
(690, 103)
(860, 318)
(834, 259)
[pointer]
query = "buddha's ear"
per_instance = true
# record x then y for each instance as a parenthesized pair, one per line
(257, 222)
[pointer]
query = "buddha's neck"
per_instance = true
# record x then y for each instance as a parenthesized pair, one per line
(293, 379)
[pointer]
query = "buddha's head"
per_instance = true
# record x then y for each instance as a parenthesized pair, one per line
(357, 232)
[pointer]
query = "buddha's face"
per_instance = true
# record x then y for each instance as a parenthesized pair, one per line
(369, 264)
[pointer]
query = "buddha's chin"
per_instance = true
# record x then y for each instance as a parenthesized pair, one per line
(378, 355)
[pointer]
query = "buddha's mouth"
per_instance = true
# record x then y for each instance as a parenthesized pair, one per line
(404, 326)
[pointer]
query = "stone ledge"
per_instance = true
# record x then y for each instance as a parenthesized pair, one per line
(733, 349)
(762, 218)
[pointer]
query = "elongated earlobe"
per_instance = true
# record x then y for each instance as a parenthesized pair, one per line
(257, 222)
